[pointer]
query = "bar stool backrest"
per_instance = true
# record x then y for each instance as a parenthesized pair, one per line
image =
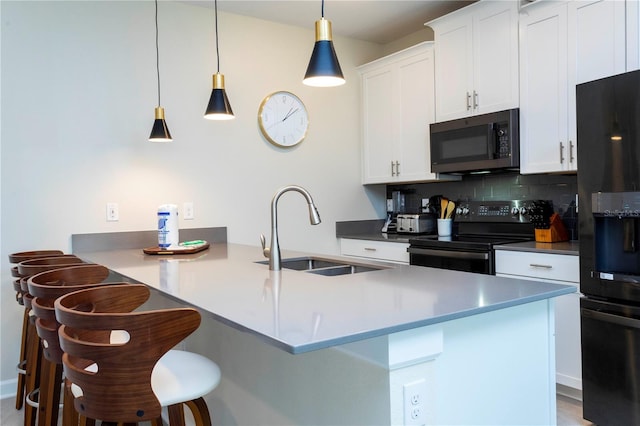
(46, 287)
(113, 379)
(34, 266)
(27, 255)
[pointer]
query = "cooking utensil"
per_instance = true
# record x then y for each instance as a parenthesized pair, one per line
(443, 207)
(450, 208)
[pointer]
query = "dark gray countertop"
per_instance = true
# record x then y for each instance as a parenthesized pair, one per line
(565, 247)
(369, 230)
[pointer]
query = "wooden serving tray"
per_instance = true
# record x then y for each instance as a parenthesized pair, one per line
(185, 250)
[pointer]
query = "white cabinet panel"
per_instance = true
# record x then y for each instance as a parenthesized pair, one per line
(544, 266)
(563, 44)
(543, 90)
(563, 269)
(476, 60)
(397, 108)
(379, 250)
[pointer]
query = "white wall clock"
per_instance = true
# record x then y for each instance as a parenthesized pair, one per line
(283, 119)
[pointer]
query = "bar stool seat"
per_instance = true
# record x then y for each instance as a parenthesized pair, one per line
(177, 377)
(130, 380)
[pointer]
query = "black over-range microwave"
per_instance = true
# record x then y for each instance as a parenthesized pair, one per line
(486, 142)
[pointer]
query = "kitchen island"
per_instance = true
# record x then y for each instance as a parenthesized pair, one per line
(299, 348)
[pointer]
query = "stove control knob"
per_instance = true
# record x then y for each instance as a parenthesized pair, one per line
(515, 211)
(523, 211)
(458, 211)
(465, 211)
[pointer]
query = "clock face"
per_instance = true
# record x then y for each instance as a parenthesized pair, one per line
(283, 119)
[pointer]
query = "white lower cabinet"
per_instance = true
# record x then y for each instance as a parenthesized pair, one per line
(377, 250)
(561, 269)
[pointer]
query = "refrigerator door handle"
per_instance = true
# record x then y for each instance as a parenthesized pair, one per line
(613, 319)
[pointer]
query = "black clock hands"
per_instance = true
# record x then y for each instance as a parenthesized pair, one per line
(290, 113)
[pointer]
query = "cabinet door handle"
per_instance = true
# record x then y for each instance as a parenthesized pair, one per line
(397, 168)
(369, 249)
(475, 100)
(393, 170)
(468, 101)
(537, 265)
(561, 152)
(571, 157)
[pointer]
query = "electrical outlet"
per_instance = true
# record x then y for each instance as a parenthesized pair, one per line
(425, 203)
(112, 212)
(414, 395)
(187, 210)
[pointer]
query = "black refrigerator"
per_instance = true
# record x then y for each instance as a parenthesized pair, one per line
(608, 135)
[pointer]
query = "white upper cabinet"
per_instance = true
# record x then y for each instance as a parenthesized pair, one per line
(476, 66)
(563, 44)
(397, 108)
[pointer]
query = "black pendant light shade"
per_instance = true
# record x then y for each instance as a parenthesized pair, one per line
(160, 131)
(324, 69)
(219, 107)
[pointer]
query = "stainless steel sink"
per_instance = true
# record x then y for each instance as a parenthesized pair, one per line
(343, 270)
(326, 267)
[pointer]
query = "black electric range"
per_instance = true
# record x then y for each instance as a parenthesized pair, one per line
(478, 227)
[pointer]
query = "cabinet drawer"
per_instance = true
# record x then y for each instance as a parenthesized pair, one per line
(380, 250)
(557, 267)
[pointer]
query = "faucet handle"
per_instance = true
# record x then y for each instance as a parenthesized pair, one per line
(266, 251)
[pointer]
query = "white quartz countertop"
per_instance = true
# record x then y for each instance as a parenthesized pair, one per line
(299, 311)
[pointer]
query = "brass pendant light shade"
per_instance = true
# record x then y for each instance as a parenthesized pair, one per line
(218, 107)
(324, 69)
(159, 131)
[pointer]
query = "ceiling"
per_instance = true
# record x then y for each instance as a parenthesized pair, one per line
(377, 21)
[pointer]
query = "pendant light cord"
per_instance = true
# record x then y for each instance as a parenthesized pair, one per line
(157, 54)
(322, 9)
(217, 50)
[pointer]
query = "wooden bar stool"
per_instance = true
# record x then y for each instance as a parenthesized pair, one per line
(130, 380)
(45, 287)
(33, 350)
(26, 375)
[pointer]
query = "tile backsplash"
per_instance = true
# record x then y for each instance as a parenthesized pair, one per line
(560, 189)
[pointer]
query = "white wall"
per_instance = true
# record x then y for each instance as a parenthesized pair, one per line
(78, 96)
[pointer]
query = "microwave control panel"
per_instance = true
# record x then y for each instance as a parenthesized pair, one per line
(502, 137)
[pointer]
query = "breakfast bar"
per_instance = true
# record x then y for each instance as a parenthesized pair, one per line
(298, 347)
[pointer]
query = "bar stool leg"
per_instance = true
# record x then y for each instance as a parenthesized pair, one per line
(176, 415)
(70, 416)
(20, 392)
(200, 412)
(49, 401)
(32, 376)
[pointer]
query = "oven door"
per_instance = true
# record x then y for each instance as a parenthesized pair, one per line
(481, 262)
(610, 362)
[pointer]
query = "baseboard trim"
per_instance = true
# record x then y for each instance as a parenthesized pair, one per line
(569, 392)
(8, 388)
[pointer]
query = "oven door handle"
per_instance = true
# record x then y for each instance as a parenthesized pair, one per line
(449, 253)
(610, 318)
